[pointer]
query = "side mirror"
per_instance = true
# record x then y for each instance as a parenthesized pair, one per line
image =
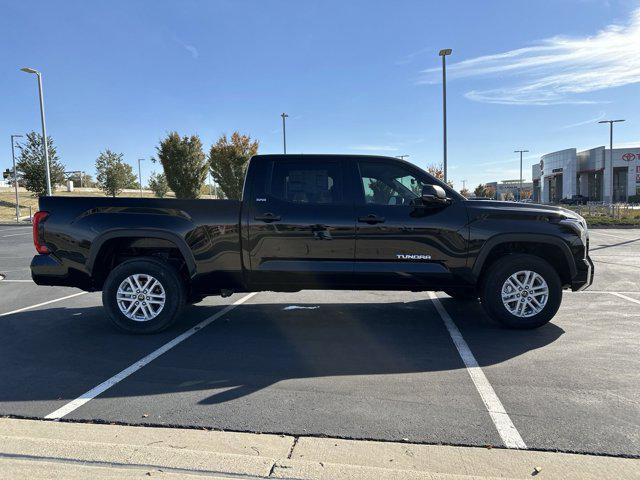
(433, 194)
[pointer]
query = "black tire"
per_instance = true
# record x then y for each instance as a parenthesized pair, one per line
(167, 276)
(497, 275)
(468, 294)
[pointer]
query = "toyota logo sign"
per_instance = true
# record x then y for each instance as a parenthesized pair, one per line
(627, 157)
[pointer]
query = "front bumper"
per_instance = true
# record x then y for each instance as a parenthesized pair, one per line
(584, 274)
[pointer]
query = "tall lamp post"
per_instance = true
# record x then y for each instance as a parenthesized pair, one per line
(284, 131)
(140, 174)
(15, 175)
(611, 122)
(443, 53)
(520, 189)
(44, 126)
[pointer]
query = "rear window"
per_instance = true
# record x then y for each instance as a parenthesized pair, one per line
(306, 182)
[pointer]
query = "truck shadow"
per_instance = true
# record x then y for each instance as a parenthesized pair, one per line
(66, 351)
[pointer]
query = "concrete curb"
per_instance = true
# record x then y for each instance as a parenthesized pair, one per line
(44, 449)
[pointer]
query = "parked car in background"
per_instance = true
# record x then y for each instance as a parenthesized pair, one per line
(575, 200)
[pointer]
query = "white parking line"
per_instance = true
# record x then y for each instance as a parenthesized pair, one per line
(506, 429)
(597, 232)
(4, 280)
(16, 234)
(617, 294)
(118, 377)
(40, 304)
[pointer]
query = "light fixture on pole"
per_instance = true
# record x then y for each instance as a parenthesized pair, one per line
(402, 157)
(520, 189)
(15, 176)
(443, 53)
(284, 131)
(44, 126)
(611, 122)
(140, 174)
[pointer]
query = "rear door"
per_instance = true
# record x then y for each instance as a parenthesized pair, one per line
(301, 225)
(399, 241)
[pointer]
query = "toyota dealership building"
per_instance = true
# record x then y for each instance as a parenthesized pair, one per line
(589, 173)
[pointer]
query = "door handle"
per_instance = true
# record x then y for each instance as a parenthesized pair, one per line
(371, 219)
(268, 218)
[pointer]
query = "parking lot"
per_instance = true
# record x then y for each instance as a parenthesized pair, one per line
(373, 365)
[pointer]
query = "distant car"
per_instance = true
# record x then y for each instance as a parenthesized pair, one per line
(575, 200)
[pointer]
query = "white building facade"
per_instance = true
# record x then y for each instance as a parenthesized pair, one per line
(589, 173)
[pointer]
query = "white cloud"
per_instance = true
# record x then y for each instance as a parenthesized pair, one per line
(189, 48)
(374, 148)
(595, 119)
(192, 50)
(412, 56)
(556, 70)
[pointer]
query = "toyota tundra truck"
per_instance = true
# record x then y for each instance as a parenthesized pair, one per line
(343, 222)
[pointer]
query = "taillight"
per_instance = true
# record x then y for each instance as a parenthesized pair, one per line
(37, 218)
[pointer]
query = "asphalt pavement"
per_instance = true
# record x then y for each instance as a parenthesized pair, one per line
(354, 365)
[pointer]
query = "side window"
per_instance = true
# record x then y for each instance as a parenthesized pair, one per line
(387, 184)
(306, 182)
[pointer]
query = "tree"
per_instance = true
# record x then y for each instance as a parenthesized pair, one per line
(31, 165)
(509, 197)
(82, 180)
(158, 184)
(465, 193)
(228, 162)
(184, 164)
(114, 175)
(489, 192)
(480, 190)
(438, 172)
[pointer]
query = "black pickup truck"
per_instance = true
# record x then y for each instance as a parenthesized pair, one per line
(313, 222)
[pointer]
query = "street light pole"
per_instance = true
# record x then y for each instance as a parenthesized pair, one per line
(15, 177)
(520, 189)
(44, 126)
(140, 174)
(284, 132)
(443, 53)
(611, 122)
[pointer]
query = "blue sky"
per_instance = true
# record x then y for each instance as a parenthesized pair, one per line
(354, 77)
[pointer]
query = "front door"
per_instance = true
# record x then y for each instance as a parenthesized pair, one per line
(301, 225)
(399, 241)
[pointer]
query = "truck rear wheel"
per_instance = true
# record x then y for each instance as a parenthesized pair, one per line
(143, 295)
(521, 291)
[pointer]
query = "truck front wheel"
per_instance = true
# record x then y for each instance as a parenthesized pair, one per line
(143, 295)
(521, 291)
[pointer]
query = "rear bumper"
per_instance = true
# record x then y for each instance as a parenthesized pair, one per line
(48, 270)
